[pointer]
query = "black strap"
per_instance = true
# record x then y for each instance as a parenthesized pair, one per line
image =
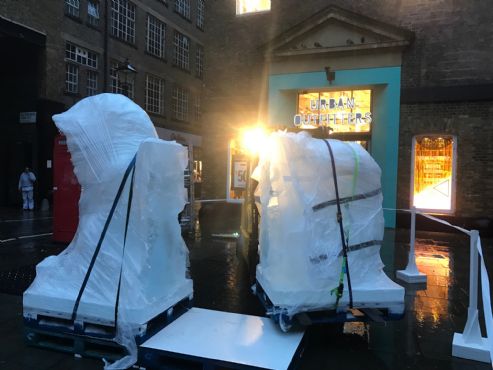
(101, 238)
(357, 247)
(339, 220)
(329, 203)
(350, 248)
(129, 206)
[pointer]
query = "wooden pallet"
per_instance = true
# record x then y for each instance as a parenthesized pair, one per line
(79, 345)
(306, 318)
(89, 339)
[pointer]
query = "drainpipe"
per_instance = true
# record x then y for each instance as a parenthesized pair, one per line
(105, 46)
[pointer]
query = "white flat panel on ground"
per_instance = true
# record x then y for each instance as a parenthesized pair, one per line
(229, 337)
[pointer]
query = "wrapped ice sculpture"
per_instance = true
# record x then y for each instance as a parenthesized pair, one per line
(300, 239)
(104, 133)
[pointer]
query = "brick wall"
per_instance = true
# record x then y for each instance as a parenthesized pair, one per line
(49, 17)
(451, 48)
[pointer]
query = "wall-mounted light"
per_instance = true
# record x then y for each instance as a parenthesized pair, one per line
(125, 73)
(331, 75)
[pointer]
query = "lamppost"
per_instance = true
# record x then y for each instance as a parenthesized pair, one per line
(125, 73)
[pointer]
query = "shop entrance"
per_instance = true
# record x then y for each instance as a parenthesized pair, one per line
(20, 78)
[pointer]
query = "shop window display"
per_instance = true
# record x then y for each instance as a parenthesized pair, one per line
(433, 173)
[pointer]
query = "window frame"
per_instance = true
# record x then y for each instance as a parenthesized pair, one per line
(181, 55)
(365, 136)
(69, 6)
(87, 62)
(124, 13)
(183, 114)
(75, 82)
(91, 19)
(161, 43)
(200, 16)
(199, 61)
(182, 7)
(453, 187)
(197, 108)
(92, 89)
(160, 95)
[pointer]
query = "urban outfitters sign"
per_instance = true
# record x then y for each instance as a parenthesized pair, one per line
(333, 112)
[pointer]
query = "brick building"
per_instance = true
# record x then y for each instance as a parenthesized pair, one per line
(420, 69)
(58, 52)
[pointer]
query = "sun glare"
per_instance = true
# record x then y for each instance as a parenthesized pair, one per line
(254, 139)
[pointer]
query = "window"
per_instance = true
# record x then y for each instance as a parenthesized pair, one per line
(196, 109)
(433, 173)
(252, 6)
(180, 104)
(154, 94)
(199, 62)
(183, 7)
(77, 58)
(80, 55)
(93, 13)
(342, 111)
(182, 49)
(155, 38)
(120, 87)
(200, 14)
(346, 113)
(92, 83)
(72, 8)
(71, 78)
(123, 20)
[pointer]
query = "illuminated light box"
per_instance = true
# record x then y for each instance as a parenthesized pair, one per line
(433, 173)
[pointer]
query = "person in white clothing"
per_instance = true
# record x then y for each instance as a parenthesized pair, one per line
(26, 186)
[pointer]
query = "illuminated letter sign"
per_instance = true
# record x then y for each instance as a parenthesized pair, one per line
(343, 111)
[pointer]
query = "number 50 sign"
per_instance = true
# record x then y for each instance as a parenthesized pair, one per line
(240, 168)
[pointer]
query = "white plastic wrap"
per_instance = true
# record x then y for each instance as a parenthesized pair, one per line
(104, 133)
(301, 248)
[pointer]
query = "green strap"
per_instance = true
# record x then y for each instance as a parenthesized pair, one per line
(353, 188)
(340, 288)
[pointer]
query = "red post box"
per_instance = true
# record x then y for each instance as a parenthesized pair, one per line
(66, 193)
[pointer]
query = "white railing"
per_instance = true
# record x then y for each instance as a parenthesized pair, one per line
(470, 344)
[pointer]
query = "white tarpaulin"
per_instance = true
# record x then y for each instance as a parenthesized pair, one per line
(300, 239)
(104, 133)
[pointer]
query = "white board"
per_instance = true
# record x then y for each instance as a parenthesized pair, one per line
(229, 337)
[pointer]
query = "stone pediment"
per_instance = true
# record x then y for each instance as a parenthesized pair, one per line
(337, 30)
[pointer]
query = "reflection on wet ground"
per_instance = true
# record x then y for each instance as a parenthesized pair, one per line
(222, 281)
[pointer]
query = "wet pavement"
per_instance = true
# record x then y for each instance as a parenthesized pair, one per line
(222, 280)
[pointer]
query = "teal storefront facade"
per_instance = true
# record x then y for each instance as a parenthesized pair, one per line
(385, 85)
